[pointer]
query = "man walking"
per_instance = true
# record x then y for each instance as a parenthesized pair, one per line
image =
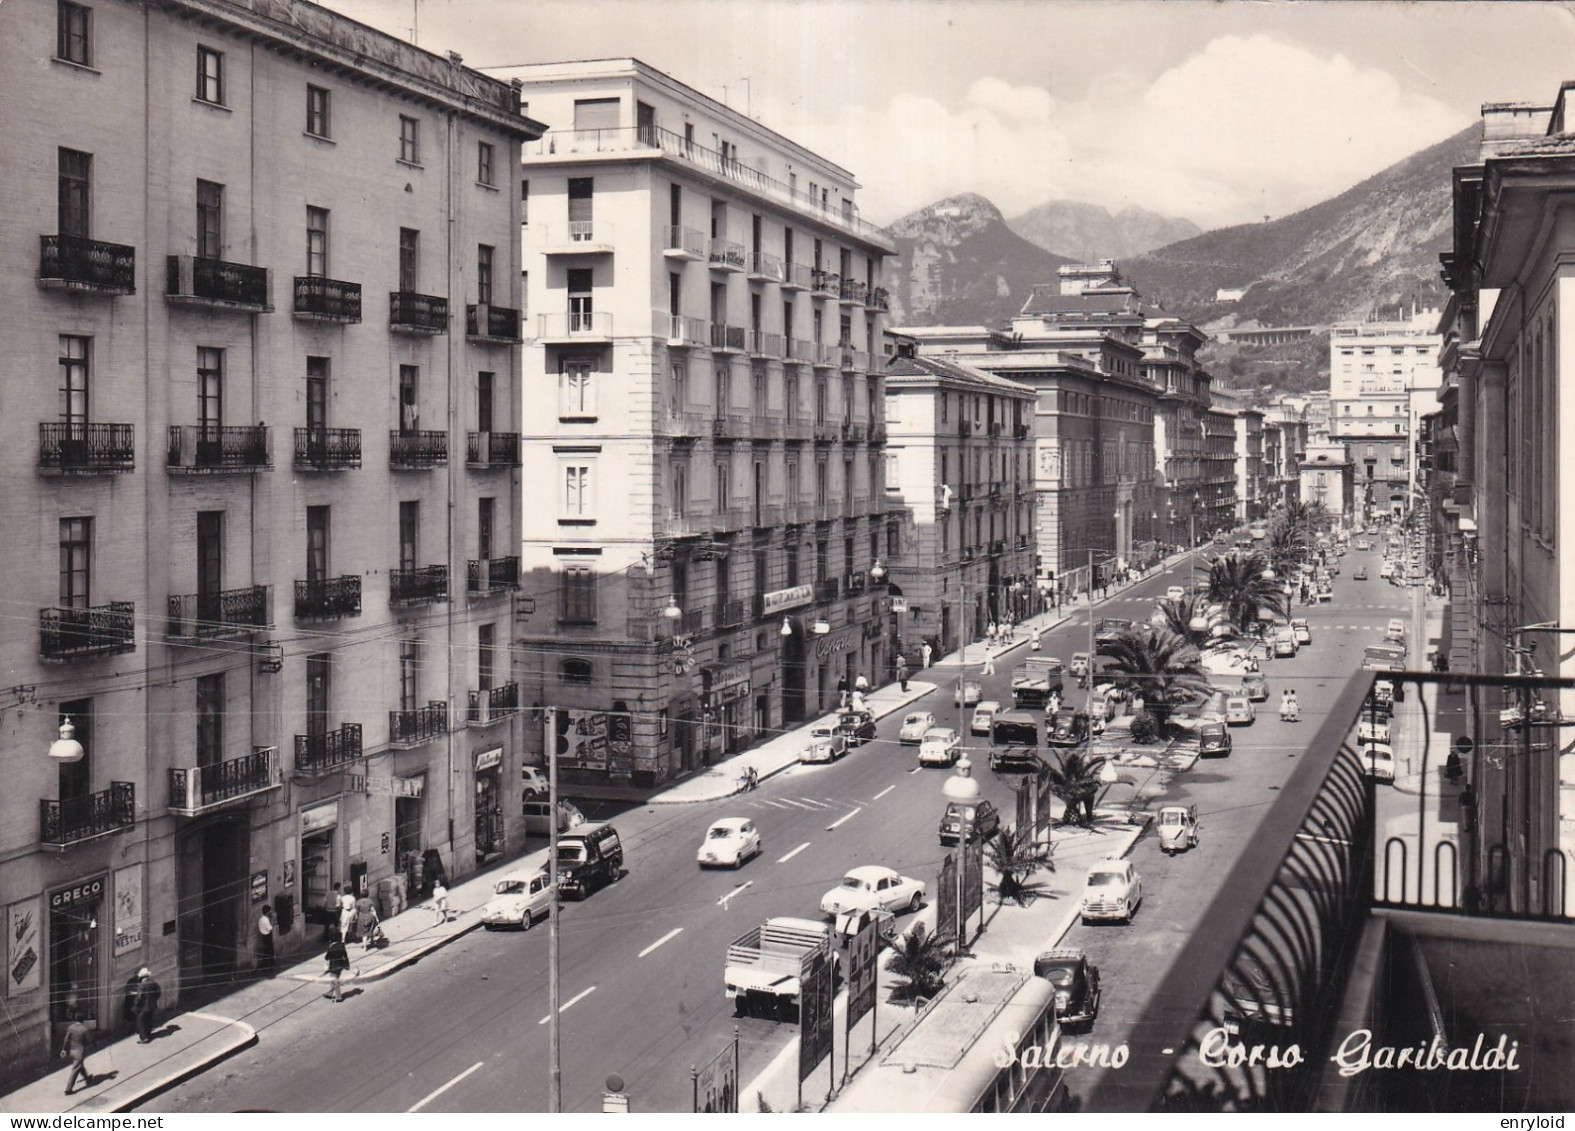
(338, 963)
(989, 664)
(265, 958)
(75, 1050)
(902, 673)
(927, 653)
(147, 1005)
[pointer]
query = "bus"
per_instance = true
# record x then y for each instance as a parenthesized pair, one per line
(987, 1044)
(1014, 741)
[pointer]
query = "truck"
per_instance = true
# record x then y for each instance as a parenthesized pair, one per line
(766, 967)
(1014, 741)
(1034, 681)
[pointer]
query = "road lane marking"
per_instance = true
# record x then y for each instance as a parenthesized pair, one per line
(434, 1095)
(672, 934)
(845, 817)
(723, 901)
(796, 804)
(779, 804)
(813, 804)
(794, 853)
(915, 769)
(564, 1007)
(883, 793)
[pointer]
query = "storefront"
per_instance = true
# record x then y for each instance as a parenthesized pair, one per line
(409, 825)
(834, 656)
(320, 862)
(489, 804)
(724, 695)
(795, 661)
(77, 920)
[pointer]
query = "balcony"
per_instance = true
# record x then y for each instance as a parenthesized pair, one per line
(877, 432)
(216, 284)
(327, 300)
(879, 299)
(854, 293)
(195, 790)
(411, 728)
(323, 753)
(327, 449)
(1020, 432)
(729, 428)
(412, 313)
(683, 427)
(727, 339)
(487, 450)
(489, 705)
(732, 614)
(222, 612)
(825, 283)
(964, 429)
(852, 359)
(75, 634)
(417, 451)
(767, 515)
(577, 237)
(217, 450)
(995, 428)
(573, 327)
(827, 589)
(762, 344)
(683, 243)
(796, 277)
(800, 350)
(796, 430)
(484, 576)
(78, 448)
(487, 323)
(725, 255)
(827, 432)
(680, 330)
(423, 585)
(853, 584)
(726, 520)
(822, 356)
(77, 264)
(852, 432)
(328, 598)
(62, 824)
(765, 267)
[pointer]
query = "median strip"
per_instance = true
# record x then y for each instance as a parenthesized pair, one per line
(672, 934)
(794, 853)
(844, 817)
(430, 1096)
(564, 1007)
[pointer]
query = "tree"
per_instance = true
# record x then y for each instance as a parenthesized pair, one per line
(1309, 517)
(1237, 581)
(1074, 779)
(1180, 615)
(1287, 546)
(1165, 669)
(1016, 856)
(919, 958)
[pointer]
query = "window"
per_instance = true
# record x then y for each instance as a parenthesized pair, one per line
(678, 493)
(580, 305)
(317, 519)
(316, 242)
(592, 115)
(409, 398)
(74, 25)
(795, 492)
(524, 203)
(316, 393)
(485, 635)
(576, 391)
(820, 483)
(317, 121)
(76, 778)
(409, 140)
(724, 381)
(210, 76)
(409, 667)
(575, 671)
(790, 395)
(210, 719)
(723, 487)
(484, 508)
(678, 391)
(409, 259)
(581, 199)
(409, 533)
(75, 358)
(75, 193)
(210, 220)
(484, 384)
(319, 668)
(578, 500)
(579, 595)
(210, 392)
(76, 560)
(484, 273)
(484, 162)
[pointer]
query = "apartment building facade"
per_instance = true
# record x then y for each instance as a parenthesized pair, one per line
(245, 662)
(703, 395)
(1218, 508)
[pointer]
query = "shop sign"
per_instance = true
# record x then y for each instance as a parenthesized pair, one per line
(489, 759)
(843, 640)
(321, 816)
(128, 908)
(79, 893)
(259, 886)
(899, 604)
(781, 600)
(385, 787)
(22, 964)
(719, 679)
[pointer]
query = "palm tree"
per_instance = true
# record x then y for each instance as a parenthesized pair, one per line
(1073, 777)
(919, 958)
(1180, 615)
(1287, 546)
(1237, 581)
(1310, 517)
(1157, 664)
(1016, 856)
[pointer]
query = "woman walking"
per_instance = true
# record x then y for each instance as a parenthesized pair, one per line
(338, 963)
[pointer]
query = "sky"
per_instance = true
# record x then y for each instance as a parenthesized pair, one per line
(1217, 111)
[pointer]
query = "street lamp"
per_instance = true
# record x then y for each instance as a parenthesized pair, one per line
(66, 748)
(964, 791)
(877, 572)
(787, 627)
(821, 626)
(672, 611)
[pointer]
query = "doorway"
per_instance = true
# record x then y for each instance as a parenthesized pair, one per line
(211, 896)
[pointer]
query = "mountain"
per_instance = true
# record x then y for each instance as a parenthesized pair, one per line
(1089, 233)
(959, 264)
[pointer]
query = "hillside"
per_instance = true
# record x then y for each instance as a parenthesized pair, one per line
(1089, 233)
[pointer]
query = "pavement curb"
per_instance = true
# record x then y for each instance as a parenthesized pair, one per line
(180, 1076)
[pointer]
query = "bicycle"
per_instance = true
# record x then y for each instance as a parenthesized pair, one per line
(749, 781)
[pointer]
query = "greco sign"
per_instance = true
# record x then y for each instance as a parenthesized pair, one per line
(77, 893)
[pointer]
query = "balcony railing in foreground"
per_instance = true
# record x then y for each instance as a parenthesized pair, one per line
(195, 790)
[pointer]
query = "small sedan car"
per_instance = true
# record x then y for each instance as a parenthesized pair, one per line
(1067, 728)
(1255, 687)
(967, 694)
(1360, 574)
(1113, 890)
(914, 724)
(970, 820)
(1284, 645)
(858, 727)
(1373, 729)
(1387, 570)
(1213, 740)
(983, 715)
(1239, 711)
(870, 887)
(1378, 759)
(1395, 630)
(729, 843)
(940, 746)
(518, 900)
(1175, 593)
(827, 743)
(1301, 630)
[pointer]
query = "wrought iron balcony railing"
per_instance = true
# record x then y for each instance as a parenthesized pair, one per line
(219, 613)
(327, 449)
(827, 589)
(492, 449)
(854, 292)
(492, 575)
(195, 790)
(726, 255)
(73, 633)
(329, 598)
(826, 282)
(413, 313)
(423, 724)
(62, 824)
(215, 449)
(216, 283)
(487, 323)
(491, 704)
(86, 449)
(416, 451)
(423, 585)
(327, 300)
(88, 265)
(320, 753)
(879, 299)
(732, 614)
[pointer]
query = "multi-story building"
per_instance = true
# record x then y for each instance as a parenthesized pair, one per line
(1251, 469)
(261, 264)
(959, 468)
(1218, 508)
(703, 405)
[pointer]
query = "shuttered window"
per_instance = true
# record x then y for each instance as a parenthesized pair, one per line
(595, 114)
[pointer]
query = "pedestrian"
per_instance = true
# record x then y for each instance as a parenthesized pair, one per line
(338, 963)
(265, 957)
(989, 664)
(75, 1050)
(842, 690)
(128, 1002)
(440, 900)
(331, 912)
(989, 632)
(857, 703)
(1033, 640)
(147, 1005)
(346, 915)
(927, 653)
(861, 685)
(1055, 703)
(366, 927)
(902, 673)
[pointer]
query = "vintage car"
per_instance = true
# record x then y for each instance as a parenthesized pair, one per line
(1378, 759)
(1177, 828)
(1301, 630)
(968, 693)
(1213, 740)
(1255, 687)
(1175, 593)
(969, 820)
(940, 746)
(1113, 890)
(518, 900)
(1239, 711)
(1360, 574)
(858, 727)
(1373, 728)
(983, 715)
(914, 724)
(728, 843)
(1079, 664)
(1067, 728)
(1394, 631)
(1284, 644)
(871, 886)
(826, 743)
(1076, 983)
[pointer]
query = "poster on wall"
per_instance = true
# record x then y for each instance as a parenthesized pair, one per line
(582, 740)
(22, 960)
(128, 908)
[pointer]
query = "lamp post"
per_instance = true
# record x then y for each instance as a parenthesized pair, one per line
(963, 790)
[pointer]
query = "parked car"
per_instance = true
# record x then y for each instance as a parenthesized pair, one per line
(1113, 890)
(1284, 645)
(1175, 593)
(872, 886)
(914, 724)
(1360, 574)
(967, 694)
(858, 727)
(1363, 544)
(1387, 570)
(532, 781)
(1301, 630)
(537, 811)
(983, 715)
(1076, 983)
(940, 746)
(1394, 631)
(518, 900)
(1213, 740)
(1373, 728)
(1239, 711)
(826, 743)
(1178, 828)
(728, 843)
(1378, 759)
(1255, 687)
(968, 820)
